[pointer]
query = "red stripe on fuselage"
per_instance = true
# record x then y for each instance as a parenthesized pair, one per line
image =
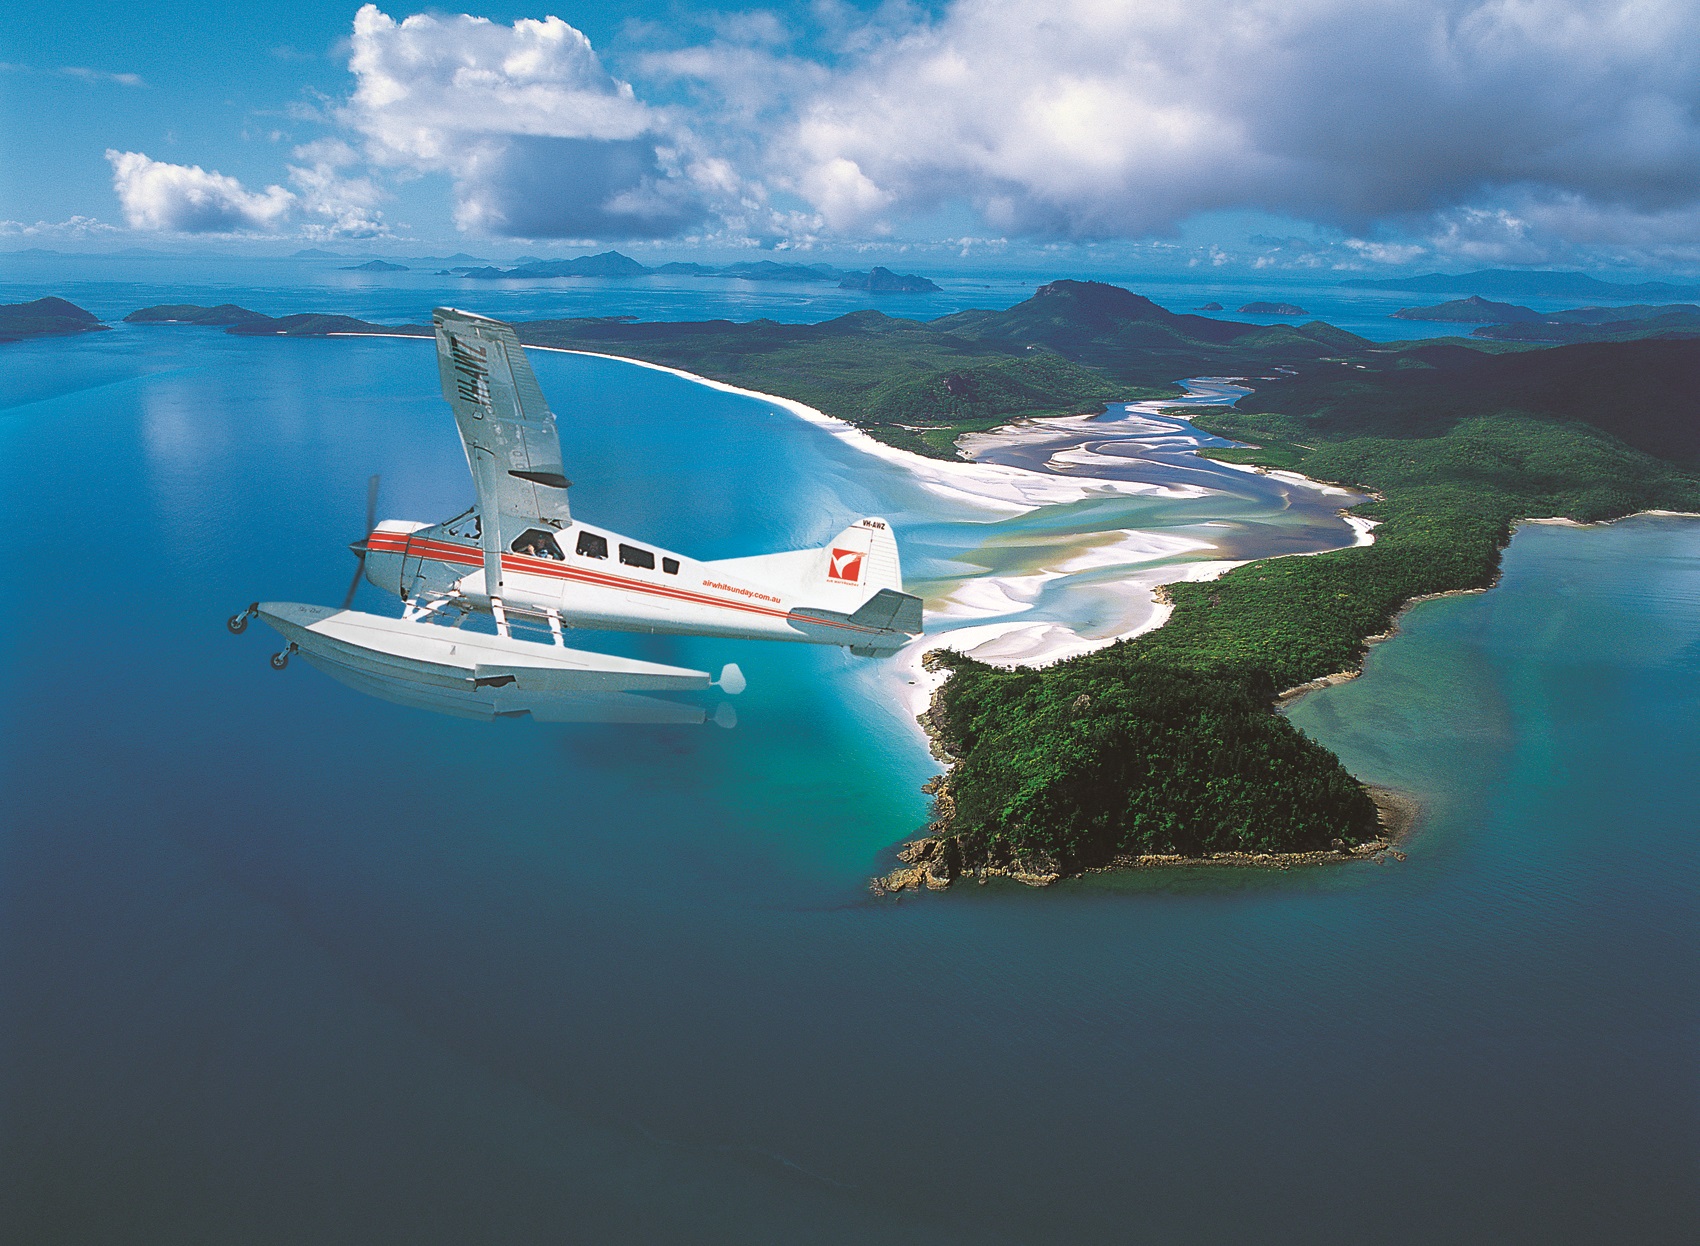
(548, 568)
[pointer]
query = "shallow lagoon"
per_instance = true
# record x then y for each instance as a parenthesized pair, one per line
(281, 963)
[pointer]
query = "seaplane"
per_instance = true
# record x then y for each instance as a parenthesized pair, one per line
(520, 560)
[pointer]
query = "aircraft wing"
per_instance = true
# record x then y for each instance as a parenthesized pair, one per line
(506, 427)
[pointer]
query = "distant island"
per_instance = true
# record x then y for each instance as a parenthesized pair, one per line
(615, 264)
(1211, 307)
(884, 281)
(1166, 747)
(1518, 283)
(190, 313)
(1272, 309)
(427, 261)
(376, 266)
(48, 317)
(1472, 310)
(1510, 322)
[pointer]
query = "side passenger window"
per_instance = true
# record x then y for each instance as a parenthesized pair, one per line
(591, 545)
(632, 556)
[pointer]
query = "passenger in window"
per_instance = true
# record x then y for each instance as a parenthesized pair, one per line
(590, 545)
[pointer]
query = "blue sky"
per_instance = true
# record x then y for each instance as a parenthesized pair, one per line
(1357, 135)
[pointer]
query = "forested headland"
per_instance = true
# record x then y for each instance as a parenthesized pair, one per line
(1168, 743)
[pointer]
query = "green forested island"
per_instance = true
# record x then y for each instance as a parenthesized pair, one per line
(48, 317)
(1170, 744)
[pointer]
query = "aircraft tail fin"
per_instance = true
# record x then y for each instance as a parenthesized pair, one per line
(858, 581)
(863, 556)
(853, 588)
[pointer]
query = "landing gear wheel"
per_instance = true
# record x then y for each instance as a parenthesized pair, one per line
(237, 623)
(280, 660)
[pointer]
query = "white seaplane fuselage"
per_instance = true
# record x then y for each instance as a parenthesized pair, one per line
(597, 579)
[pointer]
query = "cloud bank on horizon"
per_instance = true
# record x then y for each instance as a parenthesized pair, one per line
(1487, 130)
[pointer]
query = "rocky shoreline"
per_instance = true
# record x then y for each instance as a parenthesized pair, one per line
(934, 862)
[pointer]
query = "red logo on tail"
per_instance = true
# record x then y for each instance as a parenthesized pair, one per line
(845, 566)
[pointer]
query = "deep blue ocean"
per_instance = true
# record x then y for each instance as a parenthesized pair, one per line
(280, 963)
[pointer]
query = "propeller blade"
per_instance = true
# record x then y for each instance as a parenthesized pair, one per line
(354, 584)
(359, 547)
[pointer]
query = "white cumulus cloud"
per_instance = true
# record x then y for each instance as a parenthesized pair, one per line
(186, 198)
(1507, 131)
(540, 139)
(346, 206)
(1093, 119)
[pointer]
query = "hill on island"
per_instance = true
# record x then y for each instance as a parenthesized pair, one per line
(1473, 310)
(884, 281)
(1510, 322)
(191, 313)
(1135, 340)
(48, 317)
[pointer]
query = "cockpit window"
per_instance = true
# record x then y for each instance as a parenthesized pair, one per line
(536, 543)
(632, 556)
(591, 546)
(670, 566)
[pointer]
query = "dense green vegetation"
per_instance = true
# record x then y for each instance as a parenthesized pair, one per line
(48, 317)
(1662, 324)
(1068, 768)
(1644, 393)
(903, 381)
(1070, 348)
(1166, 743)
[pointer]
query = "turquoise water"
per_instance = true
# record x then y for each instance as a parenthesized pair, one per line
(280, 963)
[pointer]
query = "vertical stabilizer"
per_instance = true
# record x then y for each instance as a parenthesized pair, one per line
(863, 557)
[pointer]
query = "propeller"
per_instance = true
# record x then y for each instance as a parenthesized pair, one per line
(360, 547)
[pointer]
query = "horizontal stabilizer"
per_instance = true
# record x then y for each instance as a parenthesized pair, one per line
(890, 610)
(880, 626)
